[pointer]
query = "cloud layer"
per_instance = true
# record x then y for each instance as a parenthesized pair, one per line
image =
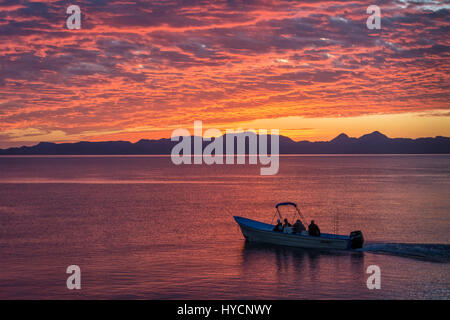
(148, 66)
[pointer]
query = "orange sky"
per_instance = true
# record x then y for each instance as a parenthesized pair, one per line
(140, 69)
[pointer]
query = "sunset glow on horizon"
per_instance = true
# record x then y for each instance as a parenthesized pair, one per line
(140, 69)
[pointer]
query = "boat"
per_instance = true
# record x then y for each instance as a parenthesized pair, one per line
(256, 231)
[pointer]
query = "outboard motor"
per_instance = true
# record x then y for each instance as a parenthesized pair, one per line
(356, 239)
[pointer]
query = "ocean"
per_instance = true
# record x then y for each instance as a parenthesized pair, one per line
(140, 227)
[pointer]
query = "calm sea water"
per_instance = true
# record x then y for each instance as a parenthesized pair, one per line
(143, 228)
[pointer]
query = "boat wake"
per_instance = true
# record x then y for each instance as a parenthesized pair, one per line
(428, 252)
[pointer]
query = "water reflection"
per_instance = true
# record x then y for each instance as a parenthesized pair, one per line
(293, 270)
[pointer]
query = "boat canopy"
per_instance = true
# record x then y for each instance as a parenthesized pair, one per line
(286, 204)
(302, 218)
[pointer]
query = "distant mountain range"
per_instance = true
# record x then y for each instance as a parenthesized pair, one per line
(373, 143)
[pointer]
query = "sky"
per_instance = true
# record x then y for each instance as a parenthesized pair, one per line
(141, 69)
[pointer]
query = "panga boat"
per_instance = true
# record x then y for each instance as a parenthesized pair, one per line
(255, 231)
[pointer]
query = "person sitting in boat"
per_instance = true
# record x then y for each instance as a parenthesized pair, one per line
(299, 227)
(279, 226)
(286, 225)
(313, 229)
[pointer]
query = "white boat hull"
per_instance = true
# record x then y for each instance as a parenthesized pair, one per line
(255, 231)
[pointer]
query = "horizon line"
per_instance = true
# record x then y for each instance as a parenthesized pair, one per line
(243, 132)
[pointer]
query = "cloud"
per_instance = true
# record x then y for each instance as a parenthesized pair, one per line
(152, 64)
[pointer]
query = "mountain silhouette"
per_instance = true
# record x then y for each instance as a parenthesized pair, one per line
(342, 138)
(372, 143)
(374, 137)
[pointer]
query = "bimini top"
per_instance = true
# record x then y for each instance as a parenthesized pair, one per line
(286, 204)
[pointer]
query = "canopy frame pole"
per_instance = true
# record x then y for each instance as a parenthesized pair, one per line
(279, 214)
(271, 222)
(301, 215)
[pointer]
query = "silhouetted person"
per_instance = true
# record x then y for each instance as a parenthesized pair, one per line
(313, 229)
(299, 227)
(286, 224)
(279, 226)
